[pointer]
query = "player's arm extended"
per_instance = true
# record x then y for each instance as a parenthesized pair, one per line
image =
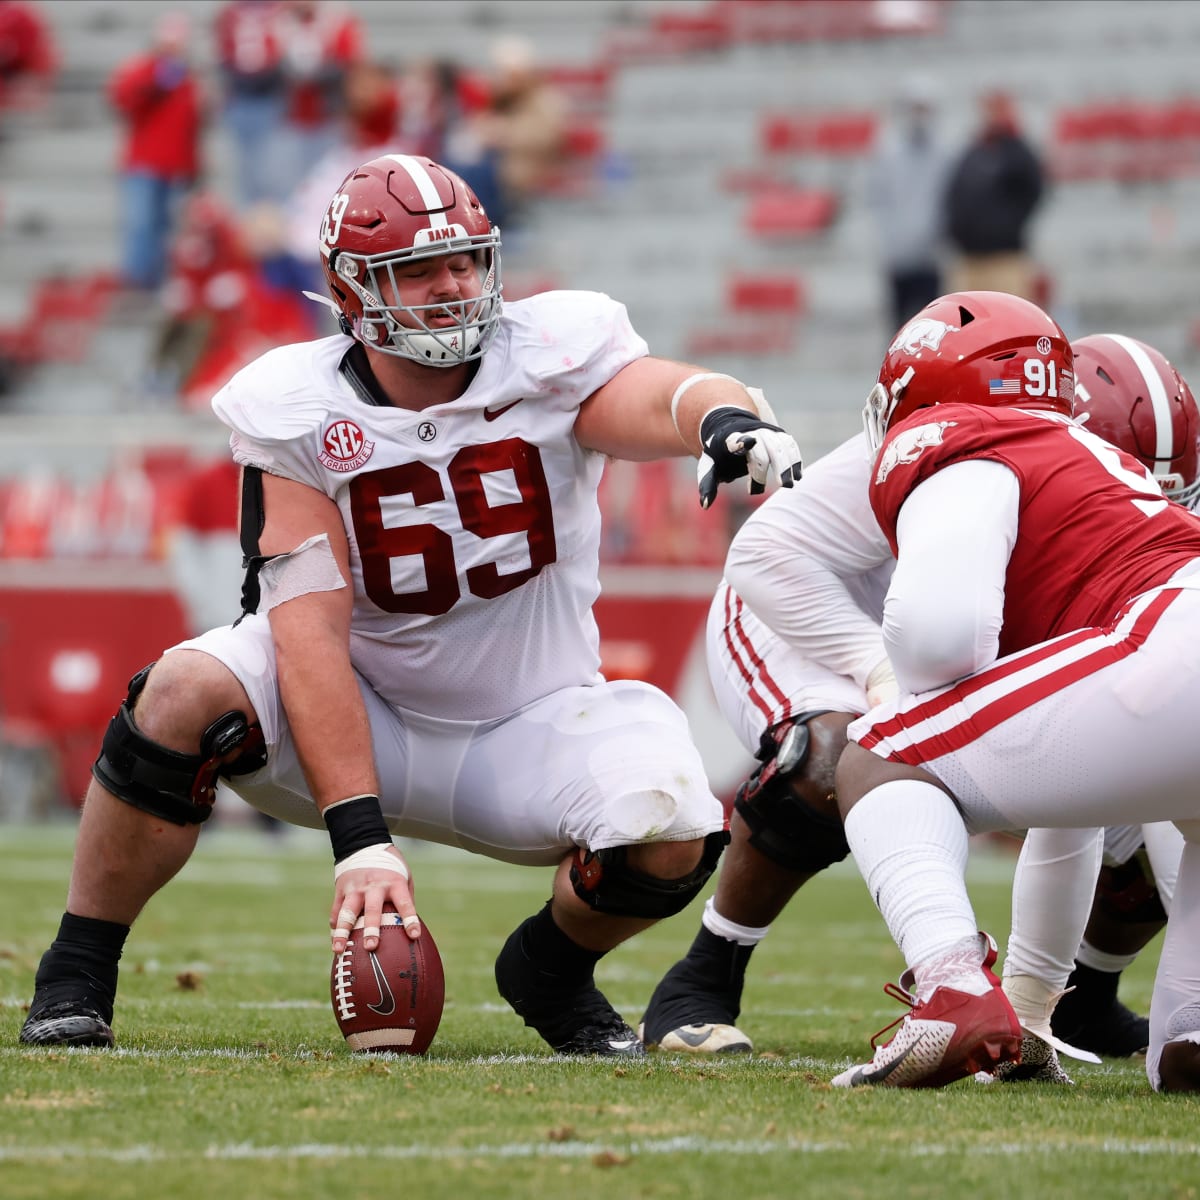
(791, 560)
(655, 408)
(310, 626)
(945, 605)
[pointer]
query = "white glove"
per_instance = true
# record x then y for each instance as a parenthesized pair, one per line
(737, 443)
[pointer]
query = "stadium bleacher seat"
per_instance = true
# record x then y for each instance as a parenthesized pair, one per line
(846, 133)
(791, 213)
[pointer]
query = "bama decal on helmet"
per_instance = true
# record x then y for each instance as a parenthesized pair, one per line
(922, 331)
(435, 234)
(907, 445)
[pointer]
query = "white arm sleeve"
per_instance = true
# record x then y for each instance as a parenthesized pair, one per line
(945, 605)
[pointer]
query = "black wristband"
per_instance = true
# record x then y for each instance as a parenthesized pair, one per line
(354, 825)
(719, 422)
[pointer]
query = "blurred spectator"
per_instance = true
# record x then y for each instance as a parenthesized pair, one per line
(525, 125)
(444, 116)
(285, 235)
(440, 100)
(159, 98)
(994, 190)
(28, 58)
(906, 185)
(219, 309)
(319, 41)
(250, 59)
(203, 550)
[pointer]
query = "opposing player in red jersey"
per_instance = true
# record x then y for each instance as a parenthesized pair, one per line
(795, 652)
(1041, 623)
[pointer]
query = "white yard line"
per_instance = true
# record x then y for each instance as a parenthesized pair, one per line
(143, 1153)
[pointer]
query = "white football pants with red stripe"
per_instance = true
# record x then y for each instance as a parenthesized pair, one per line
(1097, 727)
(760, 680)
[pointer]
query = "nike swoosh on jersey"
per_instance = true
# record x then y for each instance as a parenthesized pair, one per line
(490, 414)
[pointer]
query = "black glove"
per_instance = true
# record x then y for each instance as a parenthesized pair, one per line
(738, 442)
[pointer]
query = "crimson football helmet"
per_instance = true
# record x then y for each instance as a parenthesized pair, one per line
(390, 211)
(1130, 395)
(986, 348)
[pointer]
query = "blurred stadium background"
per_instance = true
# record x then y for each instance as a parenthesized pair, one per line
(713, 180)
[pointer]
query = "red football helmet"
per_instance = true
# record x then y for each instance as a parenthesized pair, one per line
(1130, 395)
(986, 348)
(392, 210)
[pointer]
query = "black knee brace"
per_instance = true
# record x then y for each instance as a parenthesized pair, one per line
(176, 787)
(605, 880)
(782, 826)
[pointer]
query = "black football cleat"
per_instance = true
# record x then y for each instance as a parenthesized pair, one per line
(1109, 1028)
(66, 1023)
(575, 1020)
(695, 1007)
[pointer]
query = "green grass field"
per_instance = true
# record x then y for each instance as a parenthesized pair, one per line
(231, 1079)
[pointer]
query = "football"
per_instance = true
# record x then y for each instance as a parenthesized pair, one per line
(389, 999)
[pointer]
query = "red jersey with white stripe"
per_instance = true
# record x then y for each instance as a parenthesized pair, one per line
(1094, 529)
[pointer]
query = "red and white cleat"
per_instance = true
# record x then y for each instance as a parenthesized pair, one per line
(950, 1035)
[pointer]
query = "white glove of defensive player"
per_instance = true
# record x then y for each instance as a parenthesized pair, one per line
(737, 443)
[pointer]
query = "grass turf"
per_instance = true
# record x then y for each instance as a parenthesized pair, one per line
(231, 1079)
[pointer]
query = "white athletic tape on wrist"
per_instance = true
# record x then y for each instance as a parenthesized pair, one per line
(380, 857)
(881, 684)
(764, 410)
(681, 390)
(311, 567)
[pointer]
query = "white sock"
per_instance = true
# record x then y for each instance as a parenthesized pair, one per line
(910, 844)
(1052, 892)
(731, 931)
(1100, 960)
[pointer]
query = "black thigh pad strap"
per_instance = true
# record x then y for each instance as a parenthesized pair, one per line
(176, 787)
(605, 881)
(149, 776)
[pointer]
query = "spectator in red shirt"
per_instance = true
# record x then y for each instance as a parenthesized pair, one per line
(220, 311)
(255, 88)
(320, 41)
(159, 99)
(28, 58)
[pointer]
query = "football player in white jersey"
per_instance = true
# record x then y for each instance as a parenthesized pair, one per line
(796, 650)
(419, 655)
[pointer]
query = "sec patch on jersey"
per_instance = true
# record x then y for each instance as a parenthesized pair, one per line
(389, 999)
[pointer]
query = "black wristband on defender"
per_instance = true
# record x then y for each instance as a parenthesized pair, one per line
(354, 825)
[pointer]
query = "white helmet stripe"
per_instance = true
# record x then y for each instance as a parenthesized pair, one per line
(1164, 447)
(425, 185)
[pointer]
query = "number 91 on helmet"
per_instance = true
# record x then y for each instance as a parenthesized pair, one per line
(986, 348)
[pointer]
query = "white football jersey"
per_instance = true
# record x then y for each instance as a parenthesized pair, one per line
(474, 526)
(816, 551)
